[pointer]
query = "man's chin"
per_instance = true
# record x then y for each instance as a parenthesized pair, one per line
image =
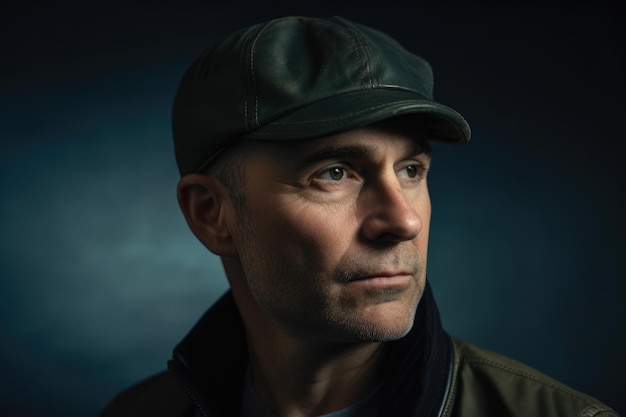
(380, 328)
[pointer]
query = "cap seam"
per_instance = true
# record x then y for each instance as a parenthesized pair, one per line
(255, 93)
(352, 33)
(379, 87)
(242, 63)
(340, 118)
(365, 56)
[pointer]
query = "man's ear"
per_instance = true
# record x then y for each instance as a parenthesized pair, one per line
(208, 209)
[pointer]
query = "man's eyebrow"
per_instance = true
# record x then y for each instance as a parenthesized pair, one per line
(421, 147)
(338, 152)
(360, 152)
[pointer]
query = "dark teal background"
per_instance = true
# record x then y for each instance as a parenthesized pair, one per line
(99, 275)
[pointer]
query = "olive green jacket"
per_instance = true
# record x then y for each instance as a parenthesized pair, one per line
(484, 383)
(430, 375)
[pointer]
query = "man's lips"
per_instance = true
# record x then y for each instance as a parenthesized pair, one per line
(384, 274)
(384, 279)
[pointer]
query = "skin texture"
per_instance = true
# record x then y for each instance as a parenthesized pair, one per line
(326, 258)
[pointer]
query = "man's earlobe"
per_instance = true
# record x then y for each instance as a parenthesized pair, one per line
(207, 207)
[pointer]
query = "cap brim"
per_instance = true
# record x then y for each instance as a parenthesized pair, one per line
(361, 108)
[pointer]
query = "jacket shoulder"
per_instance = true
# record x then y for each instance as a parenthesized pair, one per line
(158, 395)
(488, 384)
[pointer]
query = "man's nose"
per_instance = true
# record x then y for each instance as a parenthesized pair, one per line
(390, 212)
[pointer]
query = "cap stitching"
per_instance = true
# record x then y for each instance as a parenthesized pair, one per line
(364, 53)
(347, 29)
(253, 74)
(243, 82)
(346, 116)
(339, 119)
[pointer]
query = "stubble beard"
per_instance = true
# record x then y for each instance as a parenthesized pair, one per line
(315, 315)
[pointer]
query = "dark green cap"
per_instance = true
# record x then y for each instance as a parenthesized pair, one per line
(299, 78)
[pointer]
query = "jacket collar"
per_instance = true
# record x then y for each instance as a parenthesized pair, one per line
(210, 363)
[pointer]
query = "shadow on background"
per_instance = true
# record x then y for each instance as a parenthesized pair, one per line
(99, 275)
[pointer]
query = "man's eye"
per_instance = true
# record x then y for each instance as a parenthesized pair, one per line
(333, 174)
(413, 171)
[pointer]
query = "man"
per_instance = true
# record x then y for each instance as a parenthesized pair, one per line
(303, 146)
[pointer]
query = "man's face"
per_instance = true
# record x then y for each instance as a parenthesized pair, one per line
(333, 236)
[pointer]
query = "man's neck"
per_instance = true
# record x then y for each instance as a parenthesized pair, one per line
(296, 379)
(297, 375)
